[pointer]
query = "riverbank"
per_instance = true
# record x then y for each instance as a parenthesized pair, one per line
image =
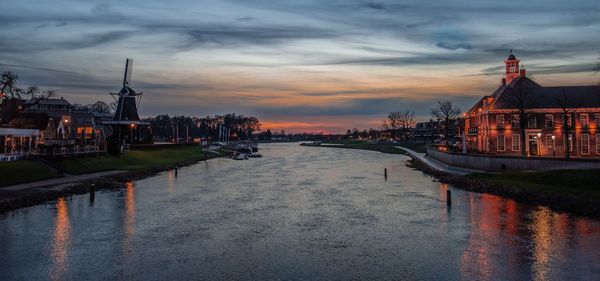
(135, 165)
(572, 191)
(384, 148)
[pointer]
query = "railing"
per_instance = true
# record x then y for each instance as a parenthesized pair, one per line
(473, 131)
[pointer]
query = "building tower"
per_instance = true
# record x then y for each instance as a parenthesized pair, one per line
(512, 68)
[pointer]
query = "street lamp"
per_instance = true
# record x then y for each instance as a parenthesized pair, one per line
(131, 133)
(553, 147)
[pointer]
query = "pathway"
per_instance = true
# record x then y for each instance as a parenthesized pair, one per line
(58, 181)
(437, 165)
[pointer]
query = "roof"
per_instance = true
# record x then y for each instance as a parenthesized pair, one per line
(547, 97)
(29, 120)
(60, 101)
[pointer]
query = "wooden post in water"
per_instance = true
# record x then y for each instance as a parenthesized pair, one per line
(92, 194)
(448, 197)
(385, 173)
(176, 170)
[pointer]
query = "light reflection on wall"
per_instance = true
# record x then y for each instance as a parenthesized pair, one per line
(61, 240)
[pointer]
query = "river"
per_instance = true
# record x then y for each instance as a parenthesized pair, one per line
(299, 213)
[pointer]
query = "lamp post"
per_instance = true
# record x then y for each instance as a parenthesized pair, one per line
(553, 147)
(539, 141)
(131, 133)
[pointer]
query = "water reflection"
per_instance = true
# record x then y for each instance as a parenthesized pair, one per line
(534, 240)
(129, 218)
(61, 240)
(171, 181)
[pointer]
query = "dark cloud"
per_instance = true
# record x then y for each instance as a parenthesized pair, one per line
(375, 5)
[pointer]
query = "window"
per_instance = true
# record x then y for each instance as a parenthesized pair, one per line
(597, 143)
(500, 121)
(515, 121)
(531, 122)
(550, 142)
(585, 144)
(549, 120)
(597, 117)
(516, 142)
(500, 144)
(584, 119)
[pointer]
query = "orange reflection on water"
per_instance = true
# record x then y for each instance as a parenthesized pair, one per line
(61, 240)
(171, 181)
(542, 241)
(129, 217)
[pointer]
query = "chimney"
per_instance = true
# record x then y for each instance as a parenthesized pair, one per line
(503, 81)
(522, 72)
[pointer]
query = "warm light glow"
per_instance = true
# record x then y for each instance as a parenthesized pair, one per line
(61, 240)
(129, 217)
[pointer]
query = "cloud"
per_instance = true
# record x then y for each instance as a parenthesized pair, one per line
(357, 58)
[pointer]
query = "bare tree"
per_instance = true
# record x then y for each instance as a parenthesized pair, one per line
(446, 111)
(521, 100)
(100, 107)
(568, 108)
(393, 122)
(406, 122)
(8, 81)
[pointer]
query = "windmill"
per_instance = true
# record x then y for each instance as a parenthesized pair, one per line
(126, 121)
(127, 99)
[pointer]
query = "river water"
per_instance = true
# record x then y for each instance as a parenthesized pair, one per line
(299, 213)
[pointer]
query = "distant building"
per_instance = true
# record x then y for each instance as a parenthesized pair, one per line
(432, 131)
(555, 119)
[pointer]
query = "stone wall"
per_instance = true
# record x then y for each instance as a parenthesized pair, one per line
(507, 163)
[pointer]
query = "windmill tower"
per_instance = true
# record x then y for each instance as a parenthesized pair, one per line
(127, 127)
(127, 99)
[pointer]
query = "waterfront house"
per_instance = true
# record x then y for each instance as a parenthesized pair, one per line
(52, 127)
(524, 118)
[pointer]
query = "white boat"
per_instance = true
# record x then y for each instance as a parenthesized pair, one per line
(240, 156)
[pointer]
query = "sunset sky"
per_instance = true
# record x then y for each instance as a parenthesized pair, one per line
(298, 65)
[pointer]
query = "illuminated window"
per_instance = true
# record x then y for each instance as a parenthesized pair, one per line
(500, 121)
(500, 146)
(516, 142)
(549, 120)
(550, 142)
(585, 144)
(584, 119)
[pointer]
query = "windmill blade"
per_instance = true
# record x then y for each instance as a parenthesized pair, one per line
(128, 72)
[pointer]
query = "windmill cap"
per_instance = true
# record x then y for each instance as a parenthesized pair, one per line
(127, 90)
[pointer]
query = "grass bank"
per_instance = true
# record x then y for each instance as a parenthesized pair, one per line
(581, 183)
(572, 191)
(134, 160)
(384, 148)
(25, 171)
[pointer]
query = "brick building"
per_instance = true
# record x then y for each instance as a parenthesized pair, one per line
(523, 118)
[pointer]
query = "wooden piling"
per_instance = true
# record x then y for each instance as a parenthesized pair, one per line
(176, 170)
(448, 198)
(385, 173)
(92, 194)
